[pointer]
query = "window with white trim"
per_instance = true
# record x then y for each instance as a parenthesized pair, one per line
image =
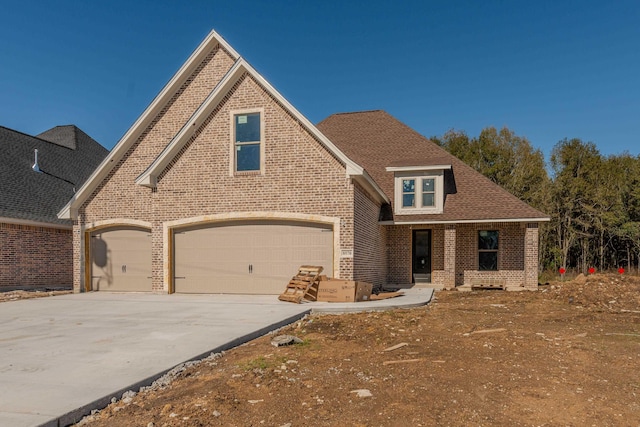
(419, 192)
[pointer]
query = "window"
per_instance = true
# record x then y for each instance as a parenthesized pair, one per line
(408, 193)
(247, 142)
(488, 250)
(428, 192)
(418, 189)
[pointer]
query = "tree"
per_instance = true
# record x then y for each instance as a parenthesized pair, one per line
(573, 164)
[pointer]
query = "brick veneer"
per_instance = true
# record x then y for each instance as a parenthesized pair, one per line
(34, 256)
(517, 256)
(300, 175)
(370, 239)
(300, 178)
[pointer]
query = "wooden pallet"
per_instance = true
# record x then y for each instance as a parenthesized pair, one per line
(303, 285)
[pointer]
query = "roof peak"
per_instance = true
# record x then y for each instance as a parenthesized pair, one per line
(359, 112)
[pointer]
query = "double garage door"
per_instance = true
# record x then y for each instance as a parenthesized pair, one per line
(244, 257)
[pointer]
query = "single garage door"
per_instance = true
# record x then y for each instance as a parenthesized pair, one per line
(121, 260)
(248, 257)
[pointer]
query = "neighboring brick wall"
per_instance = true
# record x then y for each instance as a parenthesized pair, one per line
(300, 175)
(370, 241)
(34, 256)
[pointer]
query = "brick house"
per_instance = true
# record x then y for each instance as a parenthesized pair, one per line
(35, 245)
(222, 186)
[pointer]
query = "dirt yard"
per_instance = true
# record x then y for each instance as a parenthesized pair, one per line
(566, 355)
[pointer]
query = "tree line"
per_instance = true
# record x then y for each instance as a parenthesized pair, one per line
(593, 200)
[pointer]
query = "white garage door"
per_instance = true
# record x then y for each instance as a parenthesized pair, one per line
(121, 260)
(248, 257)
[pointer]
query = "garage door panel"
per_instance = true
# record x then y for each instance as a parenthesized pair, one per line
(121, 260)
(250, 257)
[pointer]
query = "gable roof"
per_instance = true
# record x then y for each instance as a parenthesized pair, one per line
(377, 140)
(65, 163)
(240, 67)
(159, 102)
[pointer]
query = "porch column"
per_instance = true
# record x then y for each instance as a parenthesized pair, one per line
(450, 256)
(531, 256)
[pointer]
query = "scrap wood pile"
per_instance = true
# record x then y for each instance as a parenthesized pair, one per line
(309, 285)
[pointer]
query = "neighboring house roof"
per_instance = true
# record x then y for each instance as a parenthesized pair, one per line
(376, 140)
(66, 157)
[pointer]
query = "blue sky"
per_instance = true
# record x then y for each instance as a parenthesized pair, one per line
(545, 69)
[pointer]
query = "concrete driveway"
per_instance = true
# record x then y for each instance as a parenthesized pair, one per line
(61, 356)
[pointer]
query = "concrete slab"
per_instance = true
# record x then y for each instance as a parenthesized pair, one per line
(414, 297)
(62, 356)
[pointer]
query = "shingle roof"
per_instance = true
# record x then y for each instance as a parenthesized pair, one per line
(66, 156)
(377, 140)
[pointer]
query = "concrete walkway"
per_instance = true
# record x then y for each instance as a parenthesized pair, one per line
(62, 356)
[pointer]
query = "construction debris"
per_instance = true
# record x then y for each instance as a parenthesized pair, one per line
(397, 346)
(395, 362)
(282, 340)
(303, 286)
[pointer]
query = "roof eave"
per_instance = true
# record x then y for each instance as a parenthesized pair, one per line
(363, 178)
(465, 221)
(417, 168)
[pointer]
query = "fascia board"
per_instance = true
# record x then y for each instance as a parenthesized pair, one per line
(417, 168)
(149, 177)
(19, 221)
(466, 221)
(143, 121)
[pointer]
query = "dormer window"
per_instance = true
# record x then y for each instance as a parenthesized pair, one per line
(419, 189)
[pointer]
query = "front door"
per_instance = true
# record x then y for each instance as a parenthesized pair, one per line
(421, 271)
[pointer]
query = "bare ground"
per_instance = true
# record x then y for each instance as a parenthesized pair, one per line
(566, 355)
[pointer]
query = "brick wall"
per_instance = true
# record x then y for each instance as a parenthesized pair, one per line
(300, 176)
(510, 253)
(513, 260)
(34, 256)
(370, 240)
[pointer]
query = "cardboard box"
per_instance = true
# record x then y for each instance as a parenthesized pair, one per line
(336, 290)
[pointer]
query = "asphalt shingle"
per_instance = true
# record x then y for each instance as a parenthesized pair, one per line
(66, 157)
(377, 140)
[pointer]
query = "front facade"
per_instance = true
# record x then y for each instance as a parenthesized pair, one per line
(222, 186)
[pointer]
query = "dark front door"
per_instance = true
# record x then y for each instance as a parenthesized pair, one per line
(421, 271)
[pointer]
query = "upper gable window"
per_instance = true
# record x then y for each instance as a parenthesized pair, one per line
(248, 144)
